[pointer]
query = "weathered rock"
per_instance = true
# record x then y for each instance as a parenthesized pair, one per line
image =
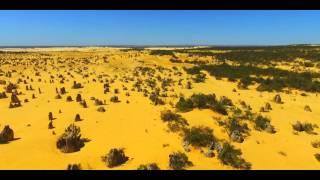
(189, 85)
(98, 102)
(74, 167)
(277, 99)
(84, 104)
(11, 87)
(101, 109)
(50, 125)
(76, 85)
(69, 99)
(15, 102)
(50, 116)
(77, 118)
(307, 108)
(266, 108)
(63, 90)
(78, 98)
(298, 126)
(6, 135)
(106, 90)
(3, 95)
(58, 96)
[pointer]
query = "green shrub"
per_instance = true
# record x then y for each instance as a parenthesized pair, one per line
(168, 115)
(263, 123)
(151, 166)
(115, 157)
(228, 155)
(308, 64)
(162, 52)
(175, 121)
(199, 78)
(179, 160)
(245, 82)
(70, 141)
(307, 127)
(233, 124)
(184, 105)
(277, 79)
(203, 101)
(236, 130)
(155, 99)
(220, 108)
(225, 101)
(199, 136)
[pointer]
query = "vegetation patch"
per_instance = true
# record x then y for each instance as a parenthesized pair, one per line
(199, 136)
(230, 156)
(306, 127)
(202, 101)
(175, 121)
(179, 160)
(237, 131)
(70, 141)
(151, 166)
(263, 124)
(115, 157)
(276, 80)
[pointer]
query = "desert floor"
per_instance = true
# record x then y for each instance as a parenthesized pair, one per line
(136, 125)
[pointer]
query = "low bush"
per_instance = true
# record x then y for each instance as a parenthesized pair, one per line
(236, 130)
(175, 121)
(115, 157)
(179, 160)
(184, 105)
(199, 136)
(70, 141)
(263, 124)
(151, 166)
(306, 127)
(228, 155)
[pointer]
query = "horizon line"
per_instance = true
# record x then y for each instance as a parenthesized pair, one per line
(159, 45)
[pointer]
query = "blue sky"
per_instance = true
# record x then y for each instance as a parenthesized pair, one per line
(158, 27)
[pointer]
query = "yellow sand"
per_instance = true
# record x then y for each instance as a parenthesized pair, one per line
(137, 126)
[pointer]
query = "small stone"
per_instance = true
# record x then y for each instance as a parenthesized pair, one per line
(307, 108)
